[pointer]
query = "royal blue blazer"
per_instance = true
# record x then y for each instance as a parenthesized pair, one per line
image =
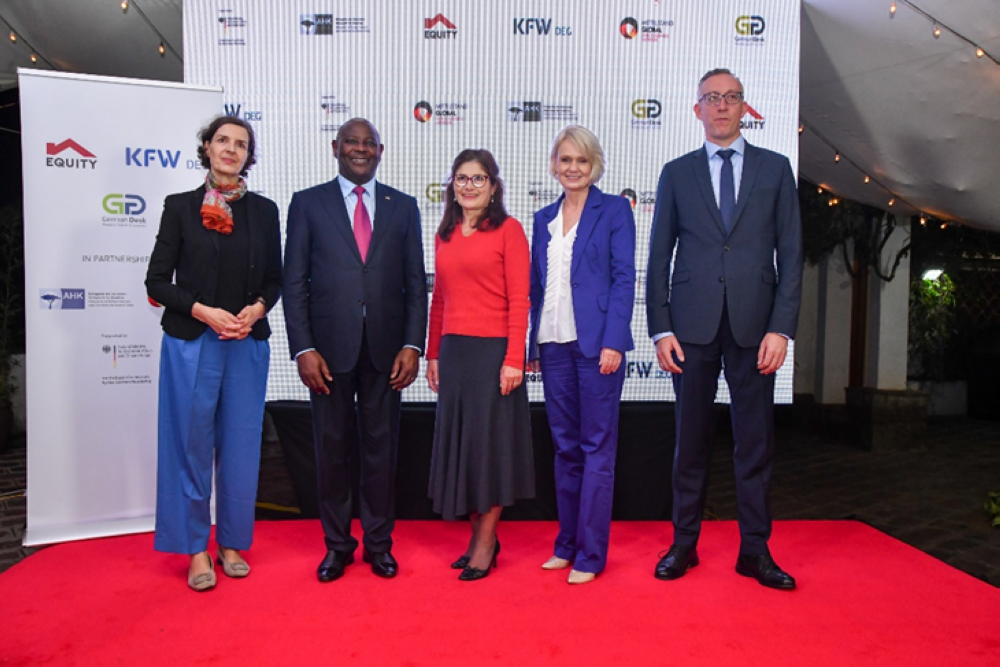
(602, 273)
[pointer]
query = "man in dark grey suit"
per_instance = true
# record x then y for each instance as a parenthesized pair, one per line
(355, 301)
(730, 295)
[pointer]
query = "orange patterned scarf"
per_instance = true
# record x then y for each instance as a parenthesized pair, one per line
(215, 211)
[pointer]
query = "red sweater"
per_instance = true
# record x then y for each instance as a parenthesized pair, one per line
(481, 287)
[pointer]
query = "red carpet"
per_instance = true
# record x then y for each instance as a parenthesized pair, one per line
(863, 599)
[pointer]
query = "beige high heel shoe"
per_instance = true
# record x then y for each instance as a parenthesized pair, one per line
(556, 563)
(236, 570)
(577, 577)
(204, 581)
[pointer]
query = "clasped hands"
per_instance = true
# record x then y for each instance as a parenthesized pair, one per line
(227, 325)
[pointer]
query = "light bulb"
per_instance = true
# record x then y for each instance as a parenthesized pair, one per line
(937, 31)
(33, 58)
(892, 10)
(819, 190)
(163, 50)
(923, 220)
(979, 52)
(891, 202)
(836, 158)
(13, 37)
(867, 179)
(124, 5)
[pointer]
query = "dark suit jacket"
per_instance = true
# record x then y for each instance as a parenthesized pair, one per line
(713, 267)
(184, 265)
(329, 291)
(602, 274)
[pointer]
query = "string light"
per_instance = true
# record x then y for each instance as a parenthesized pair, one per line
(891, 202)
(979, 52)
(937, 27)
(13, 36)
(163, 50)
(892, 10)
(801, 128)
(33, 58)
(836, 158)
(944, 225)
(819, 190)
(937, 31)
(923, 220)
(868, 179)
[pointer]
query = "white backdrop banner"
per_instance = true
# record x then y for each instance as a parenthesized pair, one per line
(438, 77)
(100, 155)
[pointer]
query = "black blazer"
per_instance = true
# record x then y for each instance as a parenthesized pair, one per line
(183, 268)
(330, 293)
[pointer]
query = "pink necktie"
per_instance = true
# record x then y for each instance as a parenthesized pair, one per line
(362, 225)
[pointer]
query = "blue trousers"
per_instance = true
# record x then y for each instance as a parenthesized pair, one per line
(582, 406)
(211, 406)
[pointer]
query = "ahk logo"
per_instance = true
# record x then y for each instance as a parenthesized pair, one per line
(750, 26)
(315, 24)
(629, 27)
(527, 112)
(647, 108)
(423, 111)
(119, 204)
(149, 157)
(87, 160)
(65, 298)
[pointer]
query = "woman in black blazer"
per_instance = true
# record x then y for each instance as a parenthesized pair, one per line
(216, 270)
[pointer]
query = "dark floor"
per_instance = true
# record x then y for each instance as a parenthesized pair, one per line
(931, 498)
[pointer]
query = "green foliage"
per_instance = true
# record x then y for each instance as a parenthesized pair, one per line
(931, 327)
(992, 508)
(11, 294)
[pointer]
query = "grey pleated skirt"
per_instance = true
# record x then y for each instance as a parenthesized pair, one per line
(482, 453)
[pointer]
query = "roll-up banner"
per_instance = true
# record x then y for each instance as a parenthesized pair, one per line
(100, 155)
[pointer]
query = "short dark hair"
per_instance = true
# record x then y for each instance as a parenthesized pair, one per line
(716, 72)
(207, 133)
(496, 213)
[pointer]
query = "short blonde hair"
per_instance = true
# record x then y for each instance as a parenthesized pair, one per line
(587, 142)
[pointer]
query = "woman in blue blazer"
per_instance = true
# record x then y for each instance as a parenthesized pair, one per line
(582, 293)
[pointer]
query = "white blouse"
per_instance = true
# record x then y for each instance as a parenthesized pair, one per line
(558, 324)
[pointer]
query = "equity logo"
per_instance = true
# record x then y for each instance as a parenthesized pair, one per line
(754, 122)
(749, 29)
(540, 27)
(236, 111)
(315, 24)
(86, 159)
(423, 111)
(447, 29)
(629, 27)
(62, 298)
(151, 157)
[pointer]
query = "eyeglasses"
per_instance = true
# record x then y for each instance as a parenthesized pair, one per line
(714, 99)
(478, 181)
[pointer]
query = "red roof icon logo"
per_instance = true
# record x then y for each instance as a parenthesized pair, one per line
(430, 23)
(56, 149)
(753, 113)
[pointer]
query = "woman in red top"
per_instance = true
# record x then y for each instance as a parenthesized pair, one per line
(482, 458)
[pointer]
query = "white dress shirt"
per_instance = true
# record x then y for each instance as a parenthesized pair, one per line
(558, 323)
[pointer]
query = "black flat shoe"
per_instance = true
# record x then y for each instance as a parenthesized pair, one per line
(383, 564)
(332, 567)
(676, 563)
(474, 573)
(765, 571)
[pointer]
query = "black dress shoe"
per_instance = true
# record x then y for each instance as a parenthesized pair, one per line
(383, 564)
(332, 567)
(765, 571)
(677, 561)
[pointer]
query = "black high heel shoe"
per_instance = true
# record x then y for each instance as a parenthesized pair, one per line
(474, 573)
(460, 563)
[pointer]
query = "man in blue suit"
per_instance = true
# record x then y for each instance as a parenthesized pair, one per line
(730, 297)
(355, 301)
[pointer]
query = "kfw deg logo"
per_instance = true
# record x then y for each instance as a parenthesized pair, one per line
(540, 27)
(236, 111)
(151, 157)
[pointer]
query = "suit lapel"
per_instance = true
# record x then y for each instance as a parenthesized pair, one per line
(385, 205)
(588, 222)
(333, 201)
(751, 165)
(704, 179)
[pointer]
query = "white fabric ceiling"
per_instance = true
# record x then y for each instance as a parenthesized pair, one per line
(917, 114)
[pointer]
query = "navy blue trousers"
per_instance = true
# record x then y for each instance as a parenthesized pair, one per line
(211, 406)
(752, 414)
(582, 406)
